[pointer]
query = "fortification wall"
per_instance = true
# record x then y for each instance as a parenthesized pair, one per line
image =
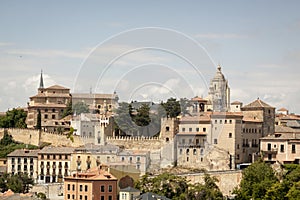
(227, 180)
(30, 136)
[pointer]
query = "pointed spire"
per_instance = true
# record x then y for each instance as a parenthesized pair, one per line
(41, 81)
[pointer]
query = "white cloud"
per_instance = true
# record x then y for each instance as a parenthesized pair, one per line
(5, 44)
(32, 83)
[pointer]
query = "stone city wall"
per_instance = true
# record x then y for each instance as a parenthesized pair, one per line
(227, 180)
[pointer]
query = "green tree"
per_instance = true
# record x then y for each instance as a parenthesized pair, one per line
(15, 118)
(208, 190)
(257, 179)
(172, 107)
(123, 119)
(6, 139)
(166, 184)
(68, 111)
(70, 134)
(142, 119)
(39, 120)
(80, 107)
(294, 192)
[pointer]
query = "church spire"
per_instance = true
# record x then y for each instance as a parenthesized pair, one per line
(41, 81)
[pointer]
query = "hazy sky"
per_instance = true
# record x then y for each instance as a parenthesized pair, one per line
(151, 50)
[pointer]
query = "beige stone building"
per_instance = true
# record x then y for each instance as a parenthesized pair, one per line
(23, 161)
(128, 193)
(93, 184)
(219, 93)
(261, 111)
(51, 102)
(54, 164)
(103, 104)
(91, 156)
(283, 147)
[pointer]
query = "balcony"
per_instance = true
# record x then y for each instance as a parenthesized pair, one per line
(271, 151)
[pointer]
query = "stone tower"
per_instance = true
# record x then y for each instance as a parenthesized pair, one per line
(219, 92)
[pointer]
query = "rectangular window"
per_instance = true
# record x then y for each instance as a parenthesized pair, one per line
(102, 188)
(138, 159)
(190, 129)
(102, 197)
(269, 146)
(204, 129)
(69, 186)
(80, 197)
(73, 187)
(293, 148)
(197, 129)
(281, 148)
(109, 197)
(53, 116)
(180, 151)
(167, 128)
(110, 188)
(46, 116)
(80, 188)
(197, 141)
(183, 129)
(215, 141)
(69, 196)
(85, 197)
(85, 188)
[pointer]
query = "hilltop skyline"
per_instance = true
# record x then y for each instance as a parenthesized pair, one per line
(256, 44)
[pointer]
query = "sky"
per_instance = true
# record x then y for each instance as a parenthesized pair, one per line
(151, 50)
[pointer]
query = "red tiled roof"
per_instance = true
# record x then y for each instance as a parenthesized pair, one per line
(258, 104)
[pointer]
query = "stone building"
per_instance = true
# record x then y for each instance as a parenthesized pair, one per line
(94, 184)
(261, 111)
(93, 127)
(51, 102)
(283, 147)
(128, 193)
(91, 156)
(23, 161)
(103, 104)
(219, 93)
(54, 164)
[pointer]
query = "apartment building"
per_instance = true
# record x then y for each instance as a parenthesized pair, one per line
(93, 184)
(54, 164)
(23, 161)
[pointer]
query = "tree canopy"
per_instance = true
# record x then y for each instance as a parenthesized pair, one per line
(80, 107)
(178, 188)
(259, 182)
(172, 107)
(18, 183)
(257, 179)
(15, 118)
